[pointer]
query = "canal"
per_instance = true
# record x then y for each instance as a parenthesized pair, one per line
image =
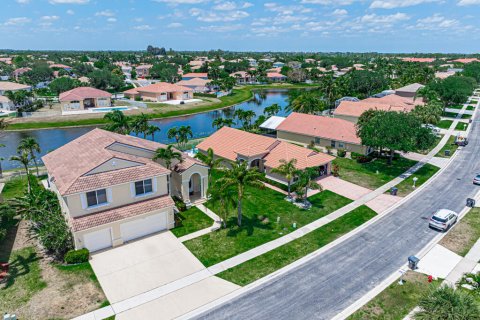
(201, 124)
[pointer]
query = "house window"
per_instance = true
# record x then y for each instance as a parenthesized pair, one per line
(95, 198)
(332, 143)
(143, 187)
(341, 145)
(317, 140)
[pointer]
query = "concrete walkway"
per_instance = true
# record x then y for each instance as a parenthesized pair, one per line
(217, 224)
(268, 185)
(466, 265)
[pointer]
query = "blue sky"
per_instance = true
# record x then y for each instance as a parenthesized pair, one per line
(296, 25)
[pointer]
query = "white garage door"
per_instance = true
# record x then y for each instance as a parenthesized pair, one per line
(98, 240)
(142, 227)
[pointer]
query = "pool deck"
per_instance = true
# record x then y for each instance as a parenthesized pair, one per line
(97, 110)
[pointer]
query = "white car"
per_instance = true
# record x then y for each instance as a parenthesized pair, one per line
(443, 219)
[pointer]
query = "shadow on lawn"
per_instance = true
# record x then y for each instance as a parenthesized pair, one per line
(20, 266)
(248, 224)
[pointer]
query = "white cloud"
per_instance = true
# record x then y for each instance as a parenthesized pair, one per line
(286, 10)
(329, 2)
(230, 5)
(175, 2)
(174, 25)
(23, 1)
(386, 19)
(70, 12)
(225, 28)
(340, 12)
(468, 2)
(69, 1)
(50, 18)
(392, 4)
(112, 19)
(211, 16)
(17, 21)
(105, 13)
(436, 22)
(143, 27)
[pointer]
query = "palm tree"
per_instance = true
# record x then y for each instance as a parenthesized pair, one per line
(241, 176)
(447, 303)
(249, 115)
(305, 182)
(24, 160)
(167, 154)
(184, 132)
(139, 124)
(287, 169)
(308, 102)
(272, 110)
(218, 123)
(209, 160)
(118, 122)
(30, 145)
(173, 133)
(151, 129)
(224, 196)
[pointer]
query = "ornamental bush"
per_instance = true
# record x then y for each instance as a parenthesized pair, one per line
(77, 256)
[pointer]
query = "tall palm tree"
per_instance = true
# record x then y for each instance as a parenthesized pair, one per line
(287, 169)
(447, 303)
(224, 196)
(272, 110)
(30, 145)
(167, 154)
(139, 124)
(308, 102)
(24, 159)
(218, 123)
(305, 182)
(241, 176)
(151, 129)
(249, 115)
(173, 133)
(184, 132)
(209, 160)
(118, 122)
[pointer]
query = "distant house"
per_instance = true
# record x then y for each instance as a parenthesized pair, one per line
(12, 86)
(196, 84)
(320, 131)
(276, 77)
(6, 104)
(444, 74)
(278, 64)
(143, 70)
(243, 77)
(294, 64)
(6, 60)
(61, 66)
(409, 91)
(263, 153)
(466, 60)
(18, 72)
(192, 75)
(83, 98)
(159, 92)
(422, 60)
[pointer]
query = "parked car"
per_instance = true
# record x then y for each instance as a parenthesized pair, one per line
(476, 180)
(461, 140)
(443, 219)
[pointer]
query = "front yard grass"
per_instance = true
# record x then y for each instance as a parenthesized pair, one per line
(261, 207)
(461, 126)
(24, 280)
(191, 220)
(278, 258)
(470, 108)
(450, 145)
(395, 302)
(423, 174)
(373, 174)
(14, 187)
(464, 234)
(444, 124)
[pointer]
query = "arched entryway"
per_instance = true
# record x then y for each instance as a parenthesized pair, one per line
(195, 187)
(255, 164)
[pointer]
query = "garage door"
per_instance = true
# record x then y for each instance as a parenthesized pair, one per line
(98, 240)
(142, 227)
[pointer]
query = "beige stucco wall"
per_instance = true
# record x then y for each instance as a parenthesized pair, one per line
(120, 195)
(114, 164)
(180, 182)
(115, 227)
(345, 117)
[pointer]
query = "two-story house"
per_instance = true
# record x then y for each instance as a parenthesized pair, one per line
(111, 191)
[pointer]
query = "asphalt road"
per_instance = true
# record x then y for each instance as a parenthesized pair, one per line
(326, 285)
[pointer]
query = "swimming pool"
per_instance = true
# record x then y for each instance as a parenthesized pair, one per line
(109, 109)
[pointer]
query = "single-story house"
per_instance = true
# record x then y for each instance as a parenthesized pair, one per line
(196, 84)
(111, 191)
(61, 66)
(160, 91)
(18, 72)
(278, 64)
(143, 70)
(263, 152)
(12, 86)
(6, 104)
(321, 131)
(193, 75)
(276, 77)
(422, 60)
(466, 60)
(243, 77)
(409, 91)
(352, 110)
(82, 98)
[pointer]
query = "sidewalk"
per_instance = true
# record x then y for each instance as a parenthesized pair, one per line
(217, 224)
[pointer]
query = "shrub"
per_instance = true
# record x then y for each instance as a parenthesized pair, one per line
(181, 206)
(364, 159)
(341, 153)
(355, 155)
(77, 256)
(329, 149)
(208, 95)
(336, 170)
(138, 98)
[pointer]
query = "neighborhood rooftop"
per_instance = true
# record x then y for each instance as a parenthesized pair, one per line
(82, 93)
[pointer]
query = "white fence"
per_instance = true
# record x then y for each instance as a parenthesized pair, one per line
(41, 114)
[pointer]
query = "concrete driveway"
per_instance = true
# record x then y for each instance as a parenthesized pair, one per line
(143, 265)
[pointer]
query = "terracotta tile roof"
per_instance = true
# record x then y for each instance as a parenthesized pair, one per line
(20, 71)
(59, 65)
(195, 75)
(424, 60)
(466, 60)
(275, 75)
(322, 127)
(82, 93)
(69, 164)
(197, 82)
(228, 143)
(120, 213)
(187, 163)
(395, 100)
(158, 87)
(144, 66)
(414, 87)
(7, 86)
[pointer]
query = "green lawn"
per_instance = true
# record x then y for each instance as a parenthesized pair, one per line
(450, 145)
(423, 174)
(456, 106)
(450, 114)
(276, 259)
(395, 302)
(14, 187)
(260, 211)
(464, 234)
(444, 124)
(190, 221)
(24, 281)
(461, 126)
(470, 108)
(365, 174)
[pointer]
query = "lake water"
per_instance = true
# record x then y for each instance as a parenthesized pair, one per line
(201, 124)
